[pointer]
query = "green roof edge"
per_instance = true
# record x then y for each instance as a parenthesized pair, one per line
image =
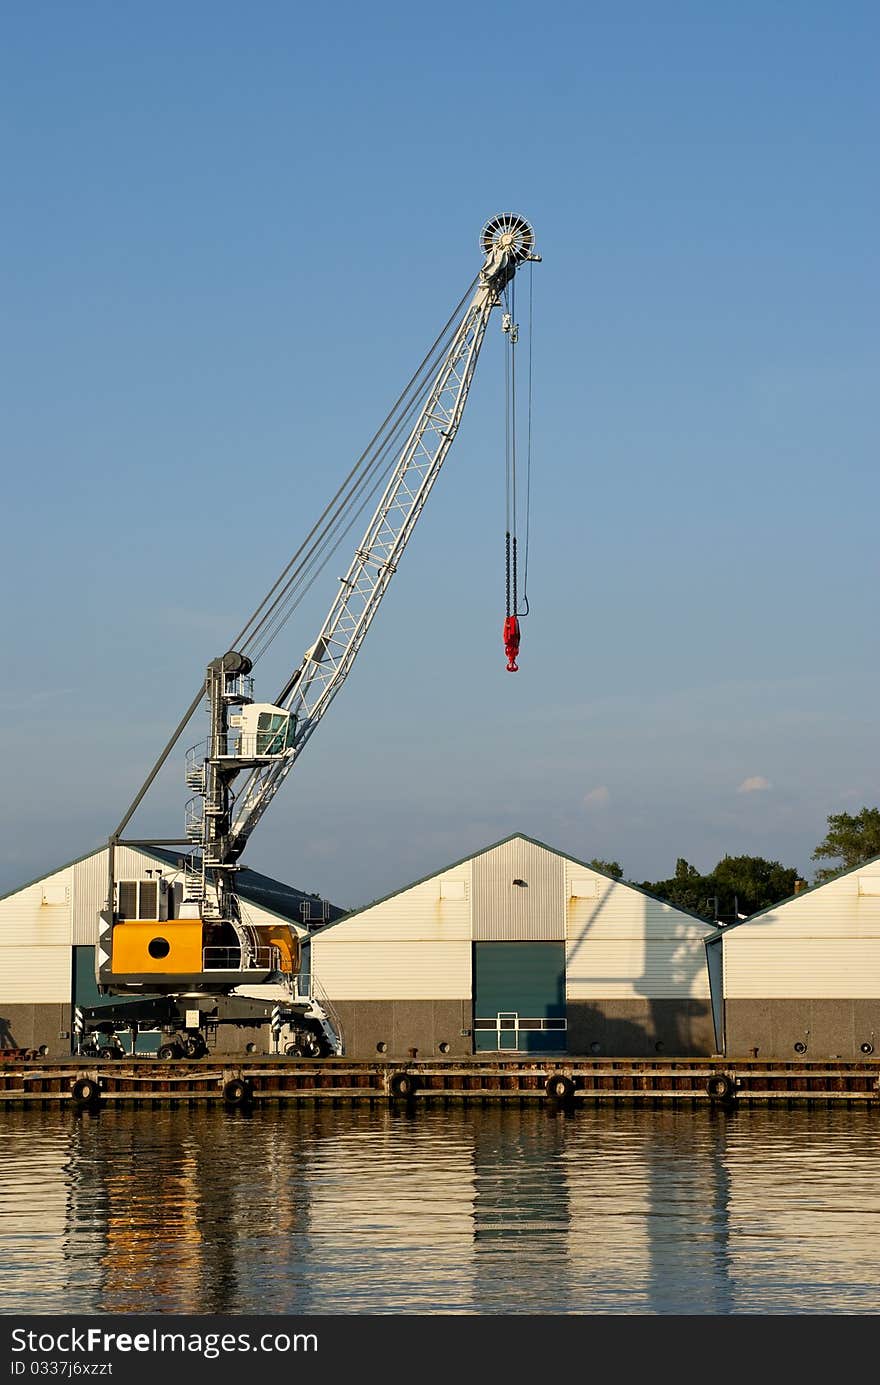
(811, 889)
(512, 836)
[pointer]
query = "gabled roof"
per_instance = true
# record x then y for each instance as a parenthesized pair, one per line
(811, 889)
(514, 836)
(261, 890)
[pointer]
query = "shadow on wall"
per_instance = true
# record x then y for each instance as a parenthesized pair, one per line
(7, 1038)
(641, 1024)
(640, 1029)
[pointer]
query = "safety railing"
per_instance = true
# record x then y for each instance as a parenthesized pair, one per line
(217, 958)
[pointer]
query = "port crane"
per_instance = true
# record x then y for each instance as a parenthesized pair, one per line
(193, 966)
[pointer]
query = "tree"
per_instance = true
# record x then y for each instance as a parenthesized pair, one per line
(851, 839)
(745, 884)
(612, 868)
(737, 887)
(687, 889)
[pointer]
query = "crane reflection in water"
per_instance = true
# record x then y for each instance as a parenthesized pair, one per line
(413, 1209)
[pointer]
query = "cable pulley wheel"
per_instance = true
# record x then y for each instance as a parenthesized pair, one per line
(509, 232)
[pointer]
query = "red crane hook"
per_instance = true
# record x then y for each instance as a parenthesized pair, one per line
(511, 642)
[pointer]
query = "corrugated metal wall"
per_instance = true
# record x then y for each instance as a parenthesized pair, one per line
(621, 944)
(823, 945)
(398, 969)
(507, 911)
(633, 969)
(424, 911)
(32, 974)
(35, 964)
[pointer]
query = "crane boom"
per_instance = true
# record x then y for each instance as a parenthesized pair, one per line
(210, 945)
(325, 666)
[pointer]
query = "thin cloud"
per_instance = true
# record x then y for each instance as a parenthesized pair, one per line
(596, 797)
(755, 784)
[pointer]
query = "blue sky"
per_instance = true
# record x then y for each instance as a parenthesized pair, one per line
(229, 235)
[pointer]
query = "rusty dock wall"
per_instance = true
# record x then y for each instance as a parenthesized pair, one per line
(81, 1083)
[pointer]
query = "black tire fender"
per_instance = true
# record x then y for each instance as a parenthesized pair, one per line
(403, 1084)
(559, 1086)
(721, 1087)
(86, 1091)
(237, 1091)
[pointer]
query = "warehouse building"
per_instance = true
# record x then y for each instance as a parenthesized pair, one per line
(48, 932)
(801, 980)
(518, 948)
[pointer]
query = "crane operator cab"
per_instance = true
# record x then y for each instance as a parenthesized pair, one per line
(261, 731)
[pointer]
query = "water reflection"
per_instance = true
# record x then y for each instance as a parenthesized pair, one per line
(490, 1210)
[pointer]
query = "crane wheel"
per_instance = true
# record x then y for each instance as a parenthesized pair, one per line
(559, 1086)
(86, 1091)
(237, 1091)
(166, 1051)
(403, 1084)
(721, 1087)
(508, 232)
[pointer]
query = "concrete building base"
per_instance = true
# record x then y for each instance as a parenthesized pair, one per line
(802, 1029)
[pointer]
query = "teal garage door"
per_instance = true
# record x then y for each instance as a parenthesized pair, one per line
(85, 992)
(519, 997)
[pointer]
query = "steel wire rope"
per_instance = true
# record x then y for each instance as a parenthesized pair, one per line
(507, 463)
(314, 562)
(263, 611)
(256, 620)
(513, 501)
(284, 613)
(528, 450)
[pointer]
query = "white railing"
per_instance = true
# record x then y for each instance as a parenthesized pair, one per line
(216, 958)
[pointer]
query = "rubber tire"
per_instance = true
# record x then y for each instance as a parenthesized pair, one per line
(403, 1084)
(167, 1051)
(107, 1053)
(720, 1087)
(237, 1091)
(86, 1091)
(559, 1086)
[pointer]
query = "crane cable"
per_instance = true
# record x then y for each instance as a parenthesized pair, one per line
(511, 631)
(350, 500)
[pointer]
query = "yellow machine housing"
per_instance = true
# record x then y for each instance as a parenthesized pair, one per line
(168, 953)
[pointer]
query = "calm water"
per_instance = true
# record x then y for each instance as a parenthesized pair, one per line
(347, 1210)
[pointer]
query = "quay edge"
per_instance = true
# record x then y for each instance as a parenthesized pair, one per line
(252, 1081)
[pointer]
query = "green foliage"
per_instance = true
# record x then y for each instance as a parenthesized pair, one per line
(687, 889)
(612, 868)
(851, 840)
(737, 887)
(745, 884)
